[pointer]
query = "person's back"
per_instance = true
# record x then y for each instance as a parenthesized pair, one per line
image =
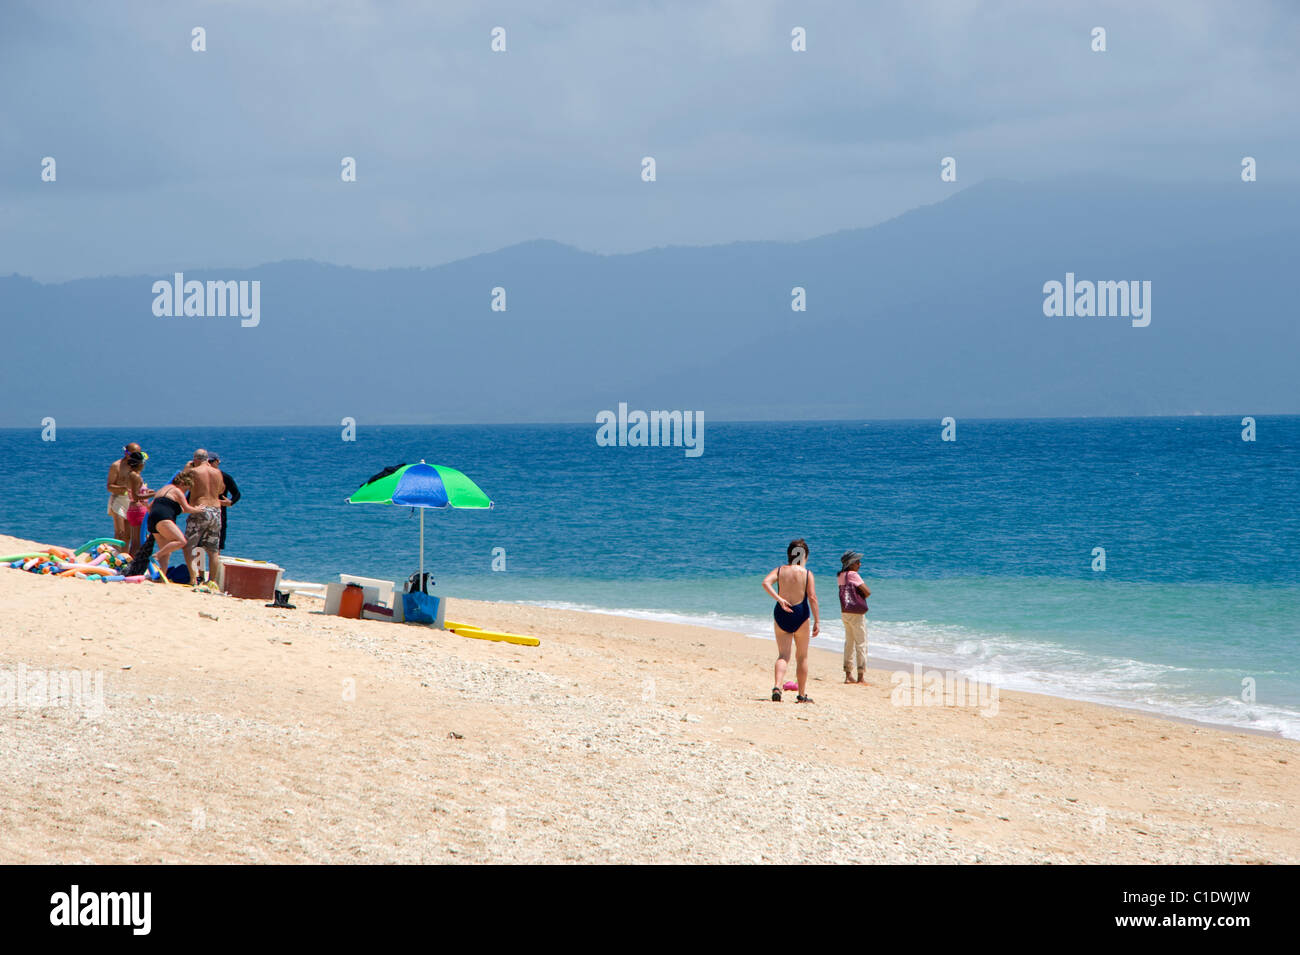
(203, 529)
(793, 588)
(208, 485)
(792, 583)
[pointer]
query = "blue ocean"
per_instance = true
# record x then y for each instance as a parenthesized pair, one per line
(980, 552)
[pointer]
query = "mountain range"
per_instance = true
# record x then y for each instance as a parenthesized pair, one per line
(937, 312)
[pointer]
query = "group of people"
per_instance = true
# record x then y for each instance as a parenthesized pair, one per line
(791, 620)
(200, 490)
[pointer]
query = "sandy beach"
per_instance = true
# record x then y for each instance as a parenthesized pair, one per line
(230, 732)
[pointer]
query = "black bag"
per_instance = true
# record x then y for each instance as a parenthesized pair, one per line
(415, 585)
(140, 563)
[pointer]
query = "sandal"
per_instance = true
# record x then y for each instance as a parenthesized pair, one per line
(803, 699)
(776, 694)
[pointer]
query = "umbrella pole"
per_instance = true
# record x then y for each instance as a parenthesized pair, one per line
(421, 577)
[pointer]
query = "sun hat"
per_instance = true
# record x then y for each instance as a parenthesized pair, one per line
(849, 558)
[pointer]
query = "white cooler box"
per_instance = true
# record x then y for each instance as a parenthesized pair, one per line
(378, 594)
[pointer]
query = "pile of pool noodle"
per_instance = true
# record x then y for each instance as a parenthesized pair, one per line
(103, 562)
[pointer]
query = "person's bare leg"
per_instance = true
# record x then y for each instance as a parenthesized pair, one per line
(783, 642)
(164, 552)
(119, 528)
(172, 540)
(801, 658)
(212, 564)
(196, 569)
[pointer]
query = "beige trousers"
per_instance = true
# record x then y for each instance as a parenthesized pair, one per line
(855, 640)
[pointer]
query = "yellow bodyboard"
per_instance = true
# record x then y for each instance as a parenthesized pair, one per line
(466, 631)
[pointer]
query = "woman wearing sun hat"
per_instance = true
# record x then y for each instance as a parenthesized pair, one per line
(853, 611)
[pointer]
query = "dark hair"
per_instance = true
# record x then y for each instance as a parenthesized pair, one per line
(790, 549)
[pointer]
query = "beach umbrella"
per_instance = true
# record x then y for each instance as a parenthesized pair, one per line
(423, 486)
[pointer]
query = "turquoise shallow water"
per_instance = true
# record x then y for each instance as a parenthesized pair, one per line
(979, 552)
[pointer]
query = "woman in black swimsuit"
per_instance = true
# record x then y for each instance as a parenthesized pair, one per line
(790, 621)
(169, 504)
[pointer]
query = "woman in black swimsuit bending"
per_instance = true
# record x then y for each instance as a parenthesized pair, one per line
(790, 621)
(168, 504)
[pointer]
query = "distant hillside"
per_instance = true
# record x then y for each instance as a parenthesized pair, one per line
(934, 313)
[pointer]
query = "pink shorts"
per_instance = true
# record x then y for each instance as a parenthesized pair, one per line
(136, 513)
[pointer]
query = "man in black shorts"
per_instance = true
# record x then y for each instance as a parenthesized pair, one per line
(229, 492)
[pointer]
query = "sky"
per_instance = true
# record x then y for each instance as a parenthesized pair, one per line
(167, 158)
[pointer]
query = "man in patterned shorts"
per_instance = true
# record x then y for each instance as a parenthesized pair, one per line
(203, 530)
